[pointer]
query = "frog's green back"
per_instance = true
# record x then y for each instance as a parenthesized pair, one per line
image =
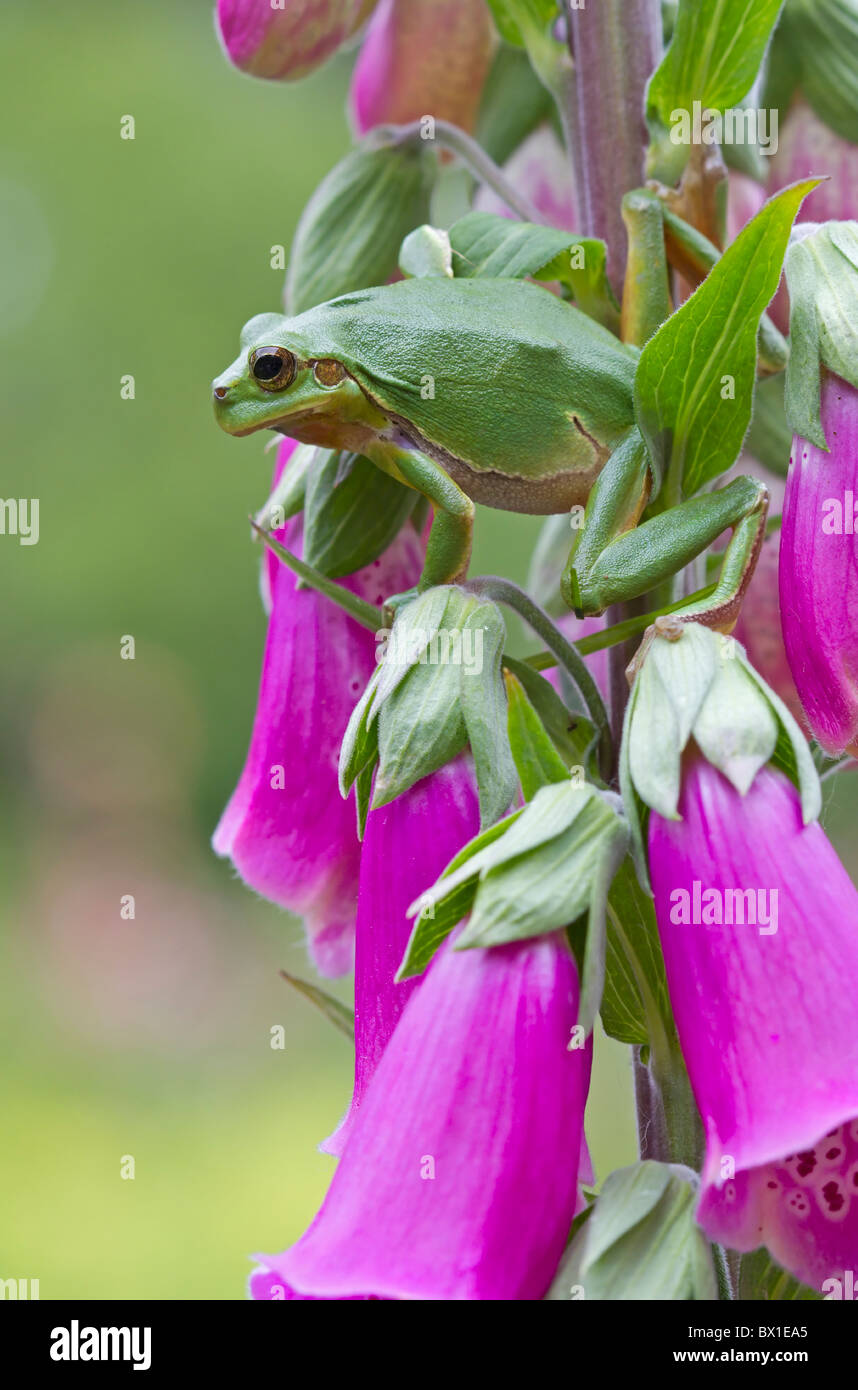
(501, 374)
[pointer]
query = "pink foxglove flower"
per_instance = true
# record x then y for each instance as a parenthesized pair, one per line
(459, 1178)
(286, 40)
(286, 829)
(759, 926)
(422, 58)
(407, 844)
(818, 573)
(540, 171)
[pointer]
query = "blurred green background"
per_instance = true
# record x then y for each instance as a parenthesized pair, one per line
(151, 1037)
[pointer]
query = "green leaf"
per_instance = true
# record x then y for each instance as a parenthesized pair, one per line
(352, 513)
(641, 1242)
(513, 103)
(516, 19)
(822, 36)
(714, 57)
(337, 1013)
(612, 852)
(287, 498)
(574, 736)
(351, 230)
(694, 432)
(635, 993)
(536, 759)
(762, 1280)
(485, 244)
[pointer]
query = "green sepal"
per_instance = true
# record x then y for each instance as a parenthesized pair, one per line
(426, 251)
(549, 864)
(792, 752)
(698, 684)
(359, 747)
(540, 887)
(337, 1013)
(536, 759)
(482, 700)
(822, 278)
(352, 513)
(351, 230)
(641, 1242)
(436, 917)
(694, 431)
(440, 685)
(714, 57)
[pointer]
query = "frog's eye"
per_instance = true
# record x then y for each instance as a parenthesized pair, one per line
(273, 367)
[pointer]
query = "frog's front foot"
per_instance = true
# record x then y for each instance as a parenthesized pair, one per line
(393, 604)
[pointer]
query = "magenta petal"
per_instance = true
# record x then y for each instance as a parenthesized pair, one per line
(766, 1019)
(818, 572)
(407, 844)
(459, 1179)
(288, 831)
(286, 40)
(422, 57)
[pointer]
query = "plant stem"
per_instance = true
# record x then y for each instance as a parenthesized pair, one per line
(504, 591)
(483, 168)
(616, 45)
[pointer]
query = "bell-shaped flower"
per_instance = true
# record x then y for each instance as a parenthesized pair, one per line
(759, 926)
(460, 1175)
(818, 582)
(407, 844)
(286, 828)
(286, 39)
(422, 58)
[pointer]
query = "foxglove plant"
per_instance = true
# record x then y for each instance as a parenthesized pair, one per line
(622, 824)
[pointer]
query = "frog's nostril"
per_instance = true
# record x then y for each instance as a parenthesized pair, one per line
(220, 392)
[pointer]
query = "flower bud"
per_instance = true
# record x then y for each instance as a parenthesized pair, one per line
(438, 687)
(422, 58)
(286, 39)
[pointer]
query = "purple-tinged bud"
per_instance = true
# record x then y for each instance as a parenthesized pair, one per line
(819, 574)
(286, 39)
(422, 58)
(759, 926)
(287, 830)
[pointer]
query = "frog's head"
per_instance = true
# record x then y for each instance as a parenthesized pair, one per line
(277, 383)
